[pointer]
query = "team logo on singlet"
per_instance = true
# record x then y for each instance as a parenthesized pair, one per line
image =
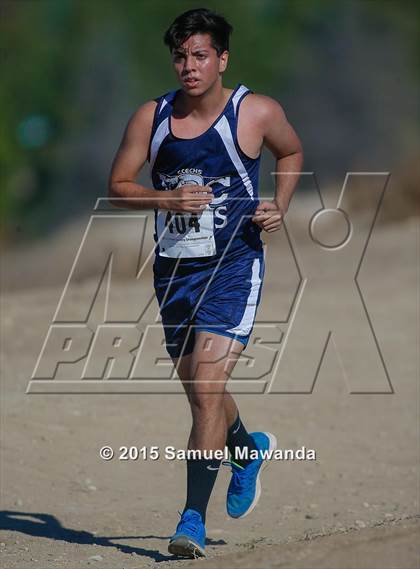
(191, 177)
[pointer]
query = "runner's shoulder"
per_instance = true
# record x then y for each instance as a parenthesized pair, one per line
(145, 112)
(142, 118)
(262, 108)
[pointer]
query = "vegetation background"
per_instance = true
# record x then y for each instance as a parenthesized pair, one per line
(74, 71)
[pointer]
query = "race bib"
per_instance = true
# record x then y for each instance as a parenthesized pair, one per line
(185, 235)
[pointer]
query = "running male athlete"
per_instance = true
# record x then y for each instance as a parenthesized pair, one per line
(203, 142)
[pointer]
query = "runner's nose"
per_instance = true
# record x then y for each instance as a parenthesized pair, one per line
(188, 64)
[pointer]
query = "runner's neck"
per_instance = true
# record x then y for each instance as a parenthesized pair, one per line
(205, 106)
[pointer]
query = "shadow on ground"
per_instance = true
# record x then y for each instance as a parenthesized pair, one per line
(46, 525)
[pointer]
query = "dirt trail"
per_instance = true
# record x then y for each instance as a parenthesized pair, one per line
(62, 506)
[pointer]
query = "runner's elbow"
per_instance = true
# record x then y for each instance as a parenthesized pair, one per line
(114, 194)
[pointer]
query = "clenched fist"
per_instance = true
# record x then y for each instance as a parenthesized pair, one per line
(269, 216)
(188, 199)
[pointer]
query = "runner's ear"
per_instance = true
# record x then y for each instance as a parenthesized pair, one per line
(223, 61)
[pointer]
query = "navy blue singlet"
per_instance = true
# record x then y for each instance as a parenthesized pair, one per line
(213, 158)
(209, 267)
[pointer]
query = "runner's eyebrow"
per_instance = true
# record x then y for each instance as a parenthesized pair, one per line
(200, 51)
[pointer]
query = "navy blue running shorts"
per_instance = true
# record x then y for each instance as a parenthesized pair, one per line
(216, 295)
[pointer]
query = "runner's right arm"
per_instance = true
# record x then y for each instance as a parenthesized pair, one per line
(130, 159)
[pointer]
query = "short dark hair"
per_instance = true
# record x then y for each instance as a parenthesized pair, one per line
(199, 21)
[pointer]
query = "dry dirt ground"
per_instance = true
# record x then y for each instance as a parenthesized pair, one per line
(355, 506)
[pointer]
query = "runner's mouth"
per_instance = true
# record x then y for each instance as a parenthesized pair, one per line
(191, 82)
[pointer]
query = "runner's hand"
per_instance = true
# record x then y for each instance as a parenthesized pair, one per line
(268, 216)
(188, 198)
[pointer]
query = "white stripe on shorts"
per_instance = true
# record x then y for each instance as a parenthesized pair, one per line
(245, 325)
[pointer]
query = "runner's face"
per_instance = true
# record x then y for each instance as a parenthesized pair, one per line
(197, 64)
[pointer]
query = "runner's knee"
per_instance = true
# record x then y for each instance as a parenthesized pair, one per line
(205, 402)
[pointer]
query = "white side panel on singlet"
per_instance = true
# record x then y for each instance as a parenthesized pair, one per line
(161, 133)
(225, 133)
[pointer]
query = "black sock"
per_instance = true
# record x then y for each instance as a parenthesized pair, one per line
(201, 476)
(238, 437)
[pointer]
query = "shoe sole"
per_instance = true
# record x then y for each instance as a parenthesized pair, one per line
(264, 466)
(184, 547)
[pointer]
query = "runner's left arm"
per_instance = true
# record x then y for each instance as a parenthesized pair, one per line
(281, 139)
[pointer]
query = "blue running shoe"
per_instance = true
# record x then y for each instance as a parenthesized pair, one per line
(245, 487)
(190, 536)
